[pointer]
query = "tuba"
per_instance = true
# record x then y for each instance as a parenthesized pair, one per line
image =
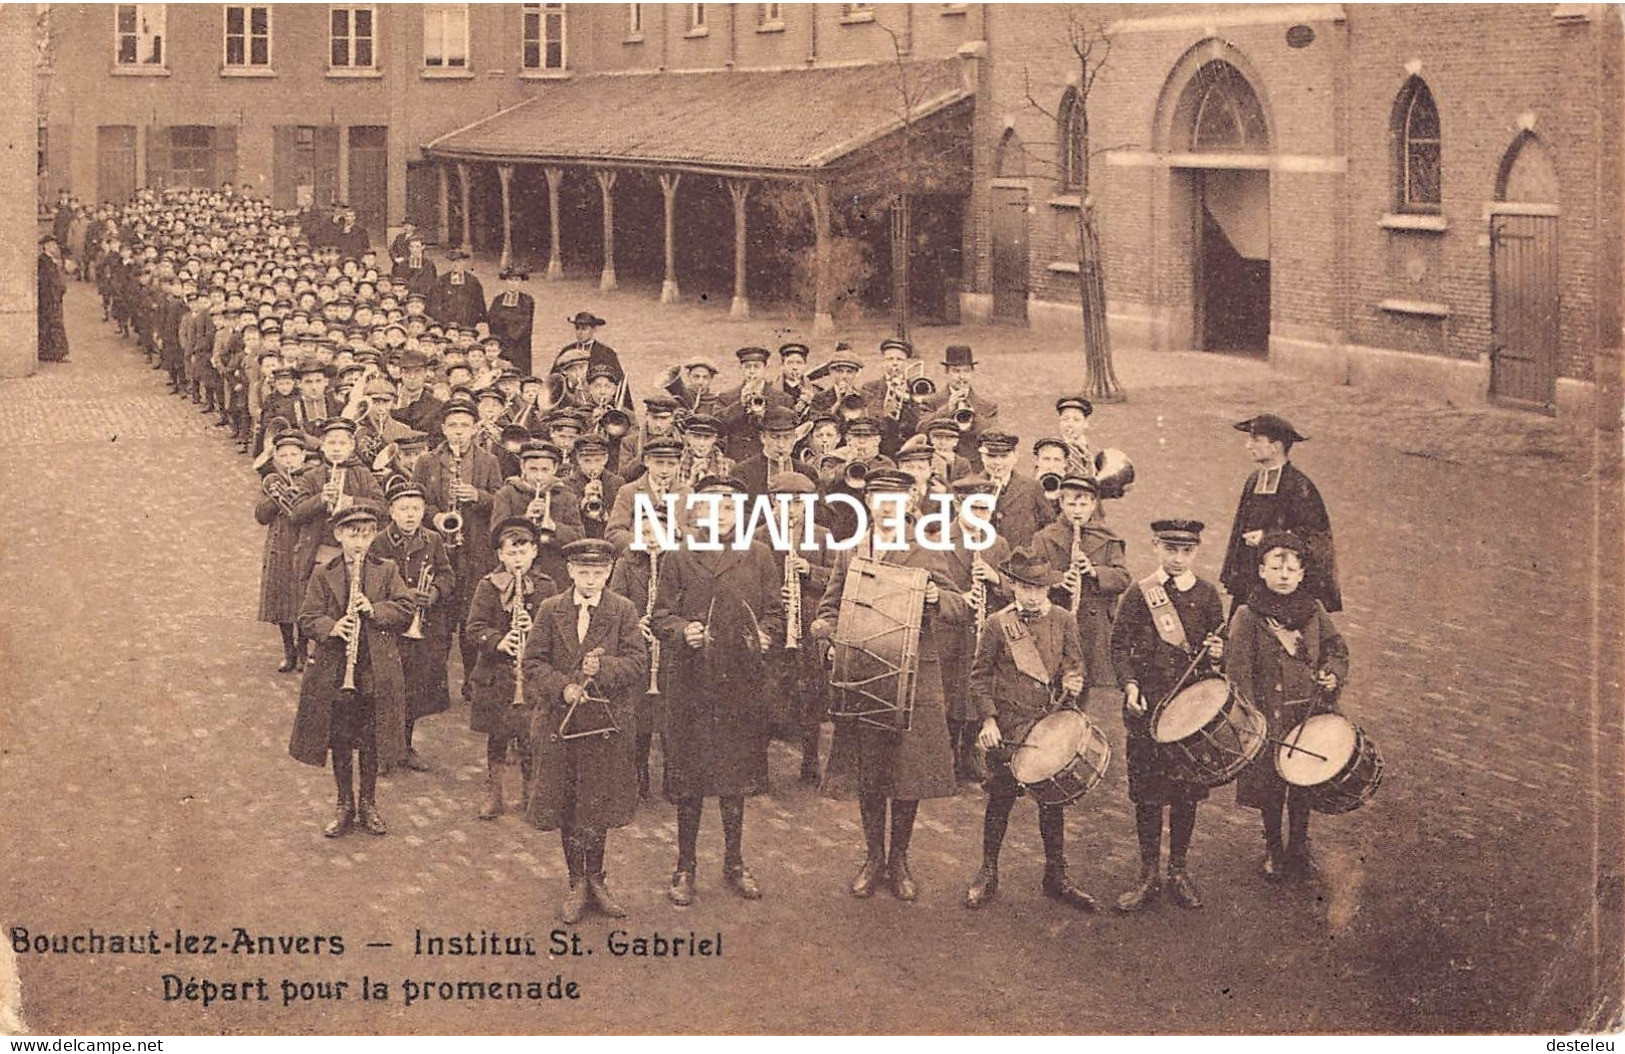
(281, 490)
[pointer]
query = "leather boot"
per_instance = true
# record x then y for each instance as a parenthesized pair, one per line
(343, 819)
(368, 820)
(869, 877)
(495, 805)
(593, 861)
(1298, 864)
(902, 883)
(743, 882)
(575, 901)
(1057, 886)
(1273, 867)
(289, 663)
(1181, 890)
(984, 887)
(681, 890)
(1144, 895)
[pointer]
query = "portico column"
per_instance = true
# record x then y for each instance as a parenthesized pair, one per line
(739, 190)
(505, 177)
(443, 226)
(606, 186)
(668, 188)
(463, 190)
(823, 317)
(555, 260)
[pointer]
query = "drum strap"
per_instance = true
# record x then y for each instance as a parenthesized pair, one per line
(1163, 613)
(1023, 649)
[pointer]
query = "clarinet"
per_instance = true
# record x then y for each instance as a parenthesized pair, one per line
(513, 627)
(352, 647)
(792, 604)
(1080, 560)
(648, 613)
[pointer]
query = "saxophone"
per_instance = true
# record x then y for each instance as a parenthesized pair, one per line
(352, 610)
(514, 614)
(649, 633)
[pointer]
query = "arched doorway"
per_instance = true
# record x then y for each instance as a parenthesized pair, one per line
(1524, 294)
(1215, 129)
(1007, 213)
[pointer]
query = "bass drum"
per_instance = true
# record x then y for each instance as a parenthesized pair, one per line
(876, 645)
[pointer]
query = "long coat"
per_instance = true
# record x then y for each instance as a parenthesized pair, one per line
(513, 324)
(716, 732)
(280, 588)
(919, 763)
(423, 662)
(630, 579)
(958, 643)
(588, 782)
(515, 496)
(310, 513)
(1139, 654)
(326, 599)
(481, 471)
(1099, 593)
(1282, 685)
(1295, 506)
(490, 613)
(53, 335)
(1022, 510)
(459, 302)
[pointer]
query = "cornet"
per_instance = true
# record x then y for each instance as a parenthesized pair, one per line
(1051, 484)
(425, 580)
(450, 526)
(854, 475)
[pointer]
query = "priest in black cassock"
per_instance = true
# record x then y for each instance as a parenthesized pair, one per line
(512, 316)
(458, 299)
(1279, 497)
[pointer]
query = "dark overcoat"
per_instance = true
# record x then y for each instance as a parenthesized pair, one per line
(1099, 592)
(1295, 506)
(957, 644)
(919, 763)
(1282, 685)
(588, 782)
(490, 614)
(423, 662)
(460, 302)
(1140, 655)
(513, 324)
(310, 513)
(630, 579)
(53, 335)
(326, 599)
(715, 738)
(280, 588)
(480, 470)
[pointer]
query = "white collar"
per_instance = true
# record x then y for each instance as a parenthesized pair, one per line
(578, 600)
(1183, 583)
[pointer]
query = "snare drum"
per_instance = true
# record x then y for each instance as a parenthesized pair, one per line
(1347, 772)
(1064, 755)
(1209, 733)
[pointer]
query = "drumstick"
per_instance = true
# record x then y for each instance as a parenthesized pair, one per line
(1200, 651)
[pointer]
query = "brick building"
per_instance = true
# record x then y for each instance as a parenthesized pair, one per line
(1422, 196)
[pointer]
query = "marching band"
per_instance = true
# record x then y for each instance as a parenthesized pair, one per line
(418, 483)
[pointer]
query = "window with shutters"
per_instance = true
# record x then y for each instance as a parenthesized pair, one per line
(1417, 149)
(248, 36)
(139, 35)
(353, 36)
(445, 36)
(544, 37)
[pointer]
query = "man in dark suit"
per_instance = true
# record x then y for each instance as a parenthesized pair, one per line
(598, 353)
(1279, 497)
(958, 395)
(512, 316)
(888, 397)
(458, 299)
(351, 239)
(400, 245)
(774, 456)
(1021, 508)
(415, 268)
(415, 405)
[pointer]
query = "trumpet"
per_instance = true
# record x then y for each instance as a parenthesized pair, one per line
(648, 631)
(854, 474)
(1077, 569)
(755, 403)
(922, 387)
(450, 526)
(614, 423)
(352, 610)
(516, 615)
(333, 489)
(425, 580)
(1051, 484)
(279, 488)
(965, 419)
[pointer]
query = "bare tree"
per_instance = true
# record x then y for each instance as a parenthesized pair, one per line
(1089, 44)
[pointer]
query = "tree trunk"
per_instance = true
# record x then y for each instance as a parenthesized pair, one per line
(1099, 379)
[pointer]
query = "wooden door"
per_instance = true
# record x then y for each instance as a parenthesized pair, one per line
(1523, 353)
(115, 163)
(369, 178)
(1009, 257)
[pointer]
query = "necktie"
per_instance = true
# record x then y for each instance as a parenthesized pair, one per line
(583, 617)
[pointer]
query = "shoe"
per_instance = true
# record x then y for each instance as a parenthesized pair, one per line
(495, 805)
(289, 663)
(369, 820)
(1182, 891)
(603, 898)
(415, 762)
(983, 888)
(1059, 887)
(343, 820)
(681, 891)
(743, 882)
(868, 878)
(575, 902)
(902, 883)
(1272, 868)
(1143, 896)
